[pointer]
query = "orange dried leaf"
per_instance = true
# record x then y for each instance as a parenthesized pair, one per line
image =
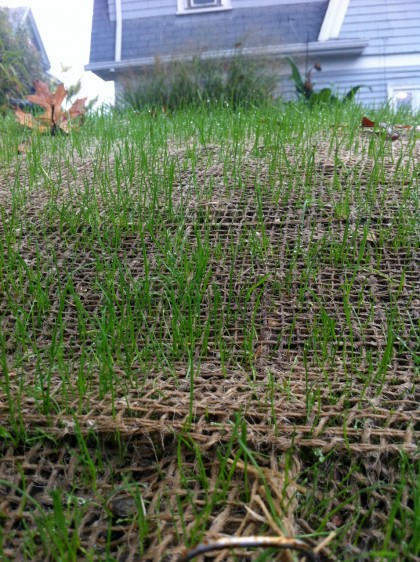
(28, 120)
(78, 108)
(53, 117)
(57, 99)
(41, 101)
(25, 119)
(59, 95)
(69, 120)
(366, 122)
(42, 96)
(41, 87)
(44, 117)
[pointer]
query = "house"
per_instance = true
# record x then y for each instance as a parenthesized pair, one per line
(371, 42)
(390, 62)
(23, 16)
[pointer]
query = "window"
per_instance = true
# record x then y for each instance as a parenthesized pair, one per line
(405, 96)
(198, 6)
(203, 3)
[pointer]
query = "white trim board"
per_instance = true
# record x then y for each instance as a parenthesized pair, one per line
(372, 62)
(333, 19)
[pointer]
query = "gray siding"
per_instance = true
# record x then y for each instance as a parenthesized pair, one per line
(392, 26)
(151, 29)
(378, 80)
(134, 9)
(102, 41)
(166, 35)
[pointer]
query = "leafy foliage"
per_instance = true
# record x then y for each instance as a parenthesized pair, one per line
(20, 62)
(297, 79)
(305, 87)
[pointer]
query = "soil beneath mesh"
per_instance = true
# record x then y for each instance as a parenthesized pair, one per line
(299, 402)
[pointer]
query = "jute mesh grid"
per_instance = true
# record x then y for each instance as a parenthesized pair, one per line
(297, 401)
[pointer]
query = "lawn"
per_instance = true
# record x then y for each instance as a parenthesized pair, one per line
(209, 326)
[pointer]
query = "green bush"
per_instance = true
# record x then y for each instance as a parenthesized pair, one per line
(237, 81)
(20, 62)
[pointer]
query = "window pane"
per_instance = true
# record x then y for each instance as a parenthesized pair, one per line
(203, 3)
(403, 98)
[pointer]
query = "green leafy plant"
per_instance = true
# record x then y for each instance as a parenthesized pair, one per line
(305, 87)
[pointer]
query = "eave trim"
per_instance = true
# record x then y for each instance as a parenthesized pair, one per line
(324, 48)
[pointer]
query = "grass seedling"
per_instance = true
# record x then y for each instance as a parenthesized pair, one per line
(214, 261)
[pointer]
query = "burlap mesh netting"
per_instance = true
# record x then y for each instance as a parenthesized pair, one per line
(154, 454)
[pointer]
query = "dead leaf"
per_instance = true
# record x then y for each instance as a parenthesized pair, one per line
(78, 108)
(23, 146)
(28, 120)
(54, 118)
(69, 118)
(388, 129)
(366, 122)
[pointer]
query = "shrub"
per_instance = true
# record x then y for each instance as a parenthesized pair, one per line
(20, 62)
(236, 81)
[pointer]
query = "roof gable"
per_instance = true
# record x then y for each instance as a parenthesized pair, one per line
(23, 16)
(248, 24)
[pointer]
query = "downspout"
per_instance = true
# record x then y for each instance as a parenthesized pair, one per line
(118, 32)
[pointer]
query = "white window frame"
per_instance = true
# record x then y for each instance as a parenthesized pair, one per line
(187, 7)
(415, 88)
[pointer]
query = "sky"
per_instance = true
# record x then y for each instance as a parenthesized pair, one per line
(64, 26)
